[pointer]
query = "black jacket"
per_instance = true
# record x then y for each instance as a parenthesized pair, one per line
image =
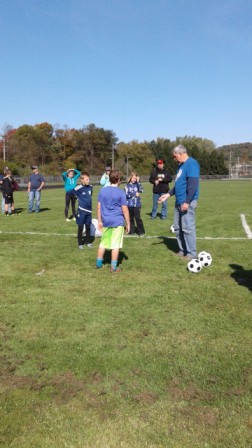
(164, 176)
(7, 188)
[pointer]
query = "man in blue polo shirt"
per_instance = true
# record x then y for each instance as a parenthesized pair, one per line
(186, 191)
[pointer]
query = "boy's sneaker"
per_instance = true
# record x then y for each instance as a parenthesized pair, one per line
(100, 267)
(142, 235)
(80, 247)
(68, 220)
(74, 219)
(115, 271)
(90, 245)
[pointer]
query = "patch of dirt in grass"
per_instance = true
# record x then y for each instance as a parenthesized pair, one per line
(188, 393)
(146, 397)
(66, 386)
(201, 415)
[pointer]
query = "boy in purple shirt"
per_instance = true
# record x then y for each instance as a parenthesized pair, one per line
(112, 211)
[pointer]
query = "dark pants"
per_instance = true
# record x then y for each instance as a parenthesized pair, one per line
(70, 198)
(80, 234)
(134, 213)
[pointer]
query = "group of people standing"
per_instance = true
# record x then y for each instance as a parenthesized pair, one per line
(8, 185)
(119, 208)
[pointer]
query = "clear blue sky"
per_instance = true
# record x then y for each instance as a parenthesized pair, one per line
(142, 68)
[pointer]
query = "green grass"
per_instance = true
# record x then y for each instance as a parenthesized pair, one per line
(152, 357)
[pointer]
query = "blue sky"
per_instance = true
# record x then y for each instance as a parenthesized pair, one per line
(142, 68)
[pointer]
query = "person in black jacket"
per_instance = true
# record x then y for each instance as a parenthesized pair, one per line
(7, 190)
(160, 179)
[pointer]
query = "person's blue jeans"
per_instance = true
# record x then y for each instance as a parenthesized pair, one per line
(34, 195)
(164, 208)
(185, 230)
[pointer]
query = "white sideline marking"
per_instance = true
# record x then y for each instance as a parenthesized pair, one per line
(246, 226)
(125, 236)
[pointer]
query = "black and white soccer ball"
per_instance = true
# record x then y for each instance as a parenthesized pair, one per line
(172, 228)
(205, 259)
(194, 265)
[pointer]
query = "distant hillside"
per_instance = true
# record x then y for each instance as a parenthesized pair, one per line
(239, 153)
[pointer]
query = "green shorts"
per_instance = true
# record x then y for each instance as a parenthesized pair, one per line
(112, 237)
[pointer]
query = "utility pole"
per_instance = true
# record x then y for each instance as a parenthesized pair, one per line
(113, 156)
(230, 164)
(127, 167)
(4, 148)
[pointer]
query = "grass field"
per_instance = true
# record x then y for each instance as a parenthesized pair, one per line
(152, 357)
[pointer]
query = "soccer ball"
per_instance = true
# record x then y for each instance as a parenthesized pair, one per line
(205, 259)
(194, 266)
(172, 229)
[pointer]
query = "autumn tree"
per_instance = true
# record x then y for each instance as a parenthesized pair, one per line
(134, 156)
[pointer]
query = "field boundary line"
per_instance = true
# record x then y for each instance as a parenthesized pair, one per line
(246, 226)
(3, 232)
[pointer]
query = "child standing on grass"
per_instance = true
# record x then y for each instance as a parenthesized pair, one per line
(112, 211)
(83, 193)
(7, 190)
(70, 178)
(133, 190)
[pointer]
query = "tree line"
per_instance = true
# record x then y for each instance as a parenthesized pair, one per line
(91, 148)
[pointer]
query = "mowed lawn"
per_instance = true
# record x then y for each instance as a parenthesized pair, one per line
(152, 357)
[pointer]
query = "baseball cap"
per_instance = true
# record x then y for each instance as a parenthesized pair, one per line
(160, 161)
(108, 168)
(34, 167)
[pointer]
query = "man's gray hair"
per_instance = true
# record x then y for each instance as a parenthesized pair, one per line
(180, 149)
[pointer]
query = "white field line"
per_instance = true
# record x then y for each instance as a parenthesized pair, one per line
(246, 226)
(125, 236)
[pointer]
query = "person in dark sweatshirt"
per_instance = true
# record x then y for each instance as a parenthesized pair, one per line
(83, 193)
(160, 178)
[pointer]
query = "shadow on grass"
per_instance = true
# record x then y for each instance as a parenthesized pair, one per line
(19, 210)
(44, 209)
(158, 215)
(242, 276)
(170, 243)
(107, 257)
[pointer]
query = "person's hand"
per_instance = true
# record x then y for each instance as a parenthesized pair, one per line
(138, 178)
(163, 198)
(184, 207)
(137, 194)
(127, 228)
(100, 225)
(157, 182)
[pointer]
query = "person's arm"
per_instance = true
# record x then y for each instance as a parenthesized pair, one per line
(41, 186)
(77, 174)
(125, 211)
(153, 177)
(140, 188)
(29, 187)
(64, 175)
(99, 218)
(102, 180)
(166, 196)
(192, 185)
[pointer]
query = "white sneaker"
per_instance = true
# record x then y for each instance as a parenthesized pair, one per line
(90, 245)
(74, 219)
(80, 247)
(68, 220)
